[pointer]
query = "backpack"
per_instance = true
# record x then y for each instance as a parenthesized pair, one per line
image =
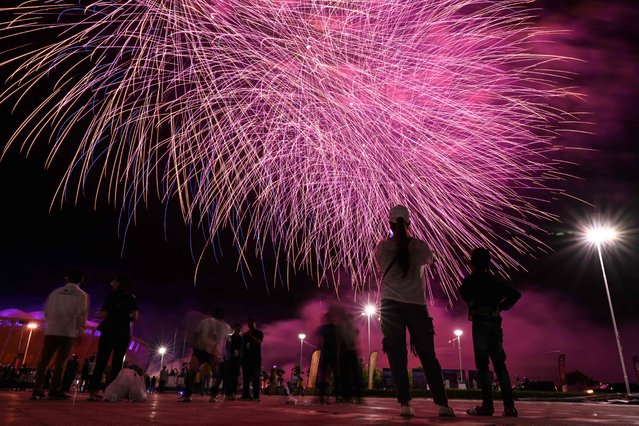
(128, 385)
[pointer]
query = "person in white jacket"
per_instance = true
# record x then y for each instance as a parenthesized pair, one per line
(65, 314)
(209, 341)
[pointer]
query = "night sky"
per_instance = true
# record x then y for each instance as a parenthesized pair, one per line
(563, 307)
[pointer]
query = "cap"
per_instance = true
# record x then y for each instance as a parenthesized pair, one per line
(397, 212)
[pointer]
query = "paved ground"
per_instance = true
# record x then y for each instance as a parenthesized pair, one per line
(17, 409)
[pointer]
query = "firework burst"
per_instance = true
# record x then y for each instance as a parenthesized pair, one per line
(299, 123)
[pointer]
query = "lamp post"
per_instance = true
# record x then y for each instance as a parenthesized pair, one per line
(301, 336)
(459, 333)
(161, 351)
(369, 311)
(599, 236)
(31, 326)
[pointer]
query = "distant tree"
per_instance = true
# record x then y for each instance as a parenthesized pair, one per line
(579, 378)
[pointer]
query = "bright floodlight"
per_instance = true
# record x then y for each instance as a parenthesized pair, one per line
(162, 350)
(598, 236)
(458, 333)
(302, 336)
(32, 325)
(601, 235)
(370, 310)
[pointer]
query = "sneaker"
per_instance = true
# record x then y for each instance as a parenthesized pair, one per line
(245, 398)
(511, 412)
(480, 410)
(37, 395)
(445, 411)
(230, 397)
(291, 400)
(184, 398)
(216, 399)
(406, 411)
(257, 399)
(94, 396)
(58, 396)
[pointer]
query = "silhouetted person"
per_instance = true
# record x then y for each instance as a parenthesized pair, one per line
(486, 297)
(164, 377)
(234, 351)
(329, 354)
(252, 361)
(209, 341)
(70, 371)
(401, 258)
(84, 376)
(119, 309)
(65, 314)
(349, 368)
(298, 382)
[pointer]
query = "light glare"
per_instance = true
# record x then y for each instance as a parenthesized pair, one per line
(601, 235)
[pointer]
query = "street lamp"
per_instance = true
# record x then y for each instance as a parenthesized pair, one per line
(162, 351)
(31, 326)
(599, 236)
(369, 311)
(301, 336)
(459, 333)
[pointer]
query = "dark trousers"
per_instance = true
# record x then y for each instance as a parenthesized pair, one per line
(396, 317)
(219, 376)
(329, 371)
(108, 344)
(198, 358)
(60, 346)
(351, 377)
(232, 374)
(488, 344)
(251, 376)
(69, 376)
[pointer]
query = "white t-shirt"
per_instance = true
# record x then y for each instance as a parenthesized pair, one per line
(65, 311)
(407, 288)
(210, 336)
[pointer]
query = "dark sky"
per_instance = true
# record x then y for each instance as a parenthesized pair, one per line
(565, 285)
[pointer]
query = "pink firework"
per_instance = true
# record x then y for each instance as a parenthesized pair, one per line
(302, 122)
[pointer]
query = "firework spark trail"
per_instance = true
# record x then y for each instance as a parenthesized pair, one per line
(304, 121)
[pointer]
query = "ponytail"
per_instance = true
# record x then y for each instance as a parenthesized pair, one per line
(403, 256)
